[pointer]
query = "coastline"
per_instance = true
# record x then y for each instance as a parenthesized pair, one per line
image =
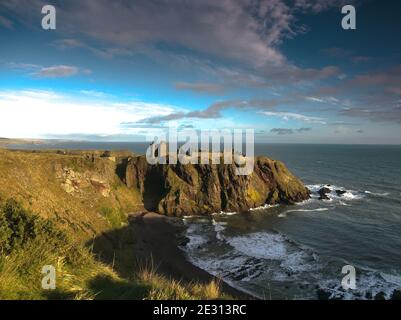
(107, 206)
(153, 240)
(127, 236)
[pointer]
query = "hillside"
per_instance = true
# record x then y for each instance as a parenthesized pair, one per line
(79, 189)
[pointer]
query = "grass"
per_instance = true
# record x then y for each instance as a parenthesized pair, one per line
(29, 242)
(162, 288)
(115, 217)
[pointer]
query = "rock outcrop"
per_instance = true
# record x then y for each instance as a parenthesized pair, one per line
(323, 193)
(75, 182)
(199, 189)
(340, 192)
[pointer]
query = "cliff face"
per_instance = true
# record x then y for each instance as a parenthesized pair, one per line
(178, 190)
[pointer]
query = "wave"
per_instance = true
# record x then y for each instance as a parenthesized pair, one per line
(236, 271)
(260, 245)
(290, 259)
(377, 194)
(199, 219)
(196, 239)
(244, 260)
(222, 213)
(266, 206)
(276, 247)
(284, 214)
(219, 227)
(347, 195)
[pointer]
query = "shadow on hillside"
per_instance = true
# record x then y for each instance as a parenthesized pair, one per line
(150, 242)
(153, 190)
(58, 295)
(147, 242)
(118, 248)
(106, 288)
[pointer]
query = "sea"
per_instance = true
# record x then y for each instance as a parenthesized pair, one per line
(299, 251)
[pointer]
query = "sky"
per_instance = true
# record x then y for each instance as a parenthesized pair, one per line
(117, 70)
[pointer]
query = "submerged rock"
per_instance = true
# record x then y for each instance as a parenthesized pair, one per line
(380, 296)
(340, 192)
(199, 189)
(323, 193)
(323, 294)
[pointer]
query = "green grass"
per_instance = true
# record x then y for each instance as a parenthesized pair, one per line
(28, 242)
(115, 217)
(161, 288)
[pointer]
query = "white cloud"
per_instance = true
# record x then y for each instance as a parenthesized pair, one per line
(57, 71)
(41, 114)
(314, 99)
(330, 100)
(294, 116)
(22, 66)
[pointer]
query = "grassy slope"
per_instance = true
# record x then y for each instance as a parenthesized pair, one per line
(45, 225)
(33, 180)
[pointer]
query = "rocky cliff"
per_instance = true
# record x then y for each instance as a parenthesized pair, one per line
(85, 188)
(178, 190)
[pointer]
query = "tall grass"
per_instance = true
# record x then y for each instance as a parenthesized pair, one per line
(162, 288)
(115, 217)
(27, 243)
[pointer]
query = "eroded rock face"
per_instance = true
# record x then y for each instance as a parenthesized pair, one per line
(75, 182)
(178, 190)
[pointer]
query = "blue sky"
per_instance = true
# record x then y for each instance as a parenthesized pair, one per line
(118, 70)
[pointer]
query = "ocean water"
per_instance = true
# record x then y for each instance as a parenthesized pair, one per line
(292, 252)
